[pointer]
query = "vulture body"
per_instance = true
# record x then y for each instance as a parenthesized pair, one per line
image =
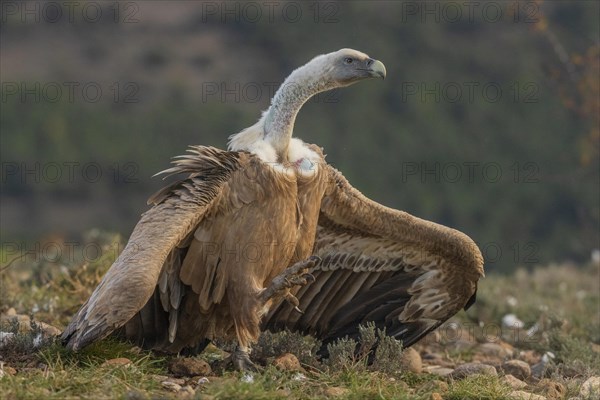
(219, 251)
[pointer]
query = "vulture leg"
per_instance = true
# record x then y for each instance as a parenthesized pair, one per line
(290, 277)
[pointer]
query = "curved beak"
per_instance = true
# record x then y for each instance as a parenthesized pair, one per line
(376, 69)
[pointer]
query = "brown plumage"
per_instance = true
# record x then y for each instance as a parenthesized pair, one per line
(380, 265)
(209, 259)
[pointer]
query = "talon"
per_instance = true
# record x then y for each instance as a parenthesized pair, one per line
(294, 275)
(299, 310)
(291, 299)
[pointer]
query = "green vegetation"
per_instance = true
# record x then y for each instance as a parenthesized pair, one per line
(562, 300)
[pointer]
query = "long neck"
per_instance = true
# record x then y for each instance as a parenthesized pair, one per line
(300, 86)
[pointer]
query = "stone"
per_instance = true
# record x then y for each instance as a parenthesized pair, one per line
(551, 389)
(334, 391)
(468, 369)
(439, 371)
(159, 378)
(188, 366)
(179, 381)
(299, 377)
(513, 382)
(500, 350)
(175, 387)
(590, 388)
(530, 357)
(287, 362)
(121, 361)
(517, 368)
(410, 360)
(522, 395)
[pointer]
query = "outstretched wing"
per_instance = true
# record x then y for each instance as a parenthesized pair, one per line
(133, 277)
(382, 265)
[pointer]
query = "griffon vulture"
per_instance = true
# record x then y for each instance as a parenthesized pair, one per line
(229, 247)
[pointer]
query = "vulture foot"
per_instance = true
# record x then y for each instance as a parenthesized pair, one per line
(295, 275)
(240, 361)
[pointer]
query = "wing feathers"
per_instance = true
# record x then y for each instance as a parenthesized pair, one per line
(131, 280)
(377, 264)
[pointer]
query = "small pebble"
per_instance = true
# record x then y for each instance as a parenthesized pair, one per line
(517, 368)
(468, 369)
(513, 382)
(496, 350)
(411, 361)
(590, 388)
(171, 386)
(522, 395)
(121, 361)
(287, 362)
(440, 371)
(189, 366)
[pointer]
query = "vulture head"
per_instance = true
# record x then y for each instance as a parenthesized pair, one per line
(347, 66)
(338, 69)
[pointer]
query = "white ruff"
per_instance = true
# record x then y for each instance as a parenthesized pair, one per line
(271, 137)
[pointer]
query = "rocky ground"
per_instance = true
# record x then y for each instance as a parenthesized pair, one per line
(464, 368)
(533, 335)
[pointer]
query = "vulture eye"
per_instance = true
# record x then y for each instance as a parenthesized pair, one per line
(348, 60)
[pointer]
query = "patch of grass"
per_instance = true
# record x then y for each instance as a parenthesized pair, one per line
(59, 373)
(574, 357)
(54, 288)
(370, 385)
(478, 387)
(374, 351)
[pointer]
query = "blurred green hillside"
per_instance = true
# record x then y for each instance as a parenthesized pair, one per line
(487, 122)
